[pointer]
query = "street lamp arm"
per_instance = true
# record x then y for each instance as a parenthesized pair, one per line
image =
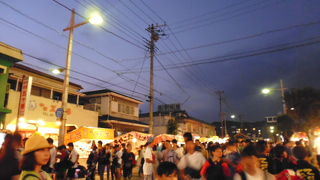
(75, 26)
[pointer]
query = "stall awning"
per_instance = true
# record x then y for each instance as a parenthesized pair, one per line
(89, 133)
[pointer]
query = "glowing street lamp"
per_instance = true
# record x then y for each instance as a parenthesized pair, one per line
(265, 91)
(96, 19)
(57, 71)
(233, 116)
(282, 89)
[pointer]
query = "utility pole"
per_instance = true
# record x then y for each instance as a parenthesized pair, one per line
(154, 37)
(284, 107)
(62, 129)
(220, 93)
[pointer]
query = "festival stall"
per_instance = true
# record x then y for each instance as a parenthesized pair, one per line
(135, 138)
(83, 138)
(297, 136)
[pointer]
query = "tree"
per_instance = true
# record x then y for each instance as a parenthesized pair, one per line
(172, 127)
(286, 125)
(305, 104)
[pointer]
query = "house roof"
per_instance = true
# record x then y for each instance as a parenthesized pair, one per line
(106, 117)
(103, 91)
(26, 68)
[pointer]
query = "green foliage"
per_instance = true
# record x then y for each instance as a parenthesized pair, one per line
(172, 127)
(286, 125)
(306, 104)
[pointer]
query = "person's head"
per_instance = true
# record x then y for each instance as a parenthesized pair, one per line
(62, 148)
(36, 153)
(123, 145)
(174, 142)
(17, 139)
(299, 152)
(129, 147)
(167, 144)
(117, 147)
(7, 151)
(197, 141)
(50, 141)
(231, 146)
(249, 158)
(279, 151)
(187, 137)
(99, 144)
(70, 146)
(167, 171)
(261, 146)
(190, 146)
(216, 151)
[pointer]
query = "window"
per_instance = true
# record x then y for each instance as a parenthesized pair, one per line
(125, 109)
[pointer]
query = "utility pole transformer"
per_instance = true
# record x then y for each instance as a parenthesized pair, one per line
(154, 37)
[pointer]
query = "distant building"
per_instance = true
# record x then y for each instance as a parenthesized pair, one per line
(271, 119)
(185, 122)
(116, 110)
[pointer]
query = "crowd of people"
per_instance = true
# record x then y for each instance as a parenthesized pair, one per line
(36, 158)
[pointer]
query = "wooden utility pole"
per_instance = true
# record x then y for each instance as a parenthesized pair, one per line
(220, 93)
(154, 37)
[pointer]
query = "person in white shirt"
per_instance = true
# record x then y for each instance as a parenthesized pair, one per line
(74, 155)
(190, 164)
(317, 148)
(251, 168)
(53, 153)
(149, 161)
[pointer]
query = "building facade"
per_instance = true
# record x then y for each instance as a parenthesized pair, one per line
(8, 57)
(185, 122)
(44, 99)
(115, 110)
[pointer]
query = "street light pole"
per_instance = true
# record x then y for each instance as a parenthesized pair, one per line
(62, 129)
(282, 97)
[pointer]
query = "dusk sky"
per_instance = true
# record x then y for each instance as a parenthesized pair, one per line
(235, 46)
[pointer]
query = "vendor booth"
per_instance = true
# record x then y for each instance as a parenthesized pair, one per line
(135, 138)
(83, 138)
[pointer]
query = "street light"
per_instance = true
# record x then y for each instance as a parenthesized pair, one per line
(265, 91)
(94, 19)
(233, 116)
(57, 71)
(282, 89)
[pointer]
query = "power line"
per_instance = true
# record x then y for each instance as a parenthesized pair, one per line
(139, 17)
(174, 80)
(200, 16)
(141, 10)
(243, 55)
(197, 80)
(210, 60)
(138, 78)
(204, 23)
(103, 28)
(82, 57)
(116, 21)
(238, 39)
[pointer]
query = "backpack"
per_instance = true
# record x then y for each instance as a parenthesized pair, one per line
(30, 175)
(216, 172)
